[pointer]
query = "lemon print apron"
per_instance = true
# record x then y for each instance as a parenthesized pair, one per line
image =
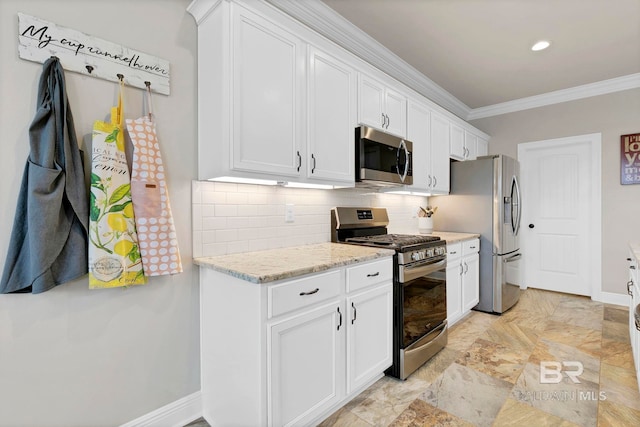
(114, 255)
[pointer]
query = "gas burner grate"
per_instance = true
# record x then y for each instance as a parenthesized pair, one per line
(397, 240)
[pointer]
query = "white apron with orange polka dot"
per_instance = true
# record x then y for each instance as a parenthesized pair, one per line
(154, 222)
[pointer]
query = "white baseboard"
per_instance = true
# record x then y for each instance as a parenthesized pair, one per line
(175, 414)
(612, 298)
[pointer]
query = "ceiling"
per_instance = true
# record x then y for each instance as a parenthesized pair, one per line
(479, 50)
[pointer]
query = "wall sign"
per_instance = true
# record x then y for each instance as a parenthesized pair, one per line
(630, 159)
(38, 40)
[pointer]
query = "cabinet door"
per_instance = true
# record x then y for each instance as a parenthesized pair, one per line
(470, 145)
(305, 359)
(395, 108)
(418, 132)
(482, 147)
(268, 87)
(471, 281)
(371, 102)
(332, 118)
(454, 292)
(456, 143)
(440, 133)
(369, 335)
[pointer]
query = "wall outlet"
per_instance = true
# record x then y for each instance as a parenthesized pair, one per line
(288, 212)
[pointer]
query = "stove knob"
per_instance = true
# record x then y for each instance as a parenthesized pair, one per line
(414, 256)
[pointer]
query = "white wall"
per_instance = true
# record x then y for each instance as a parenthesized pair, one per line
(231, 218)
(612, 115)
(71, 356)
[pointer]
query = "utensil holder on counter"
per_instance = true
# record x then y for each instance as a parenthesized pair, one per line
(425, 225)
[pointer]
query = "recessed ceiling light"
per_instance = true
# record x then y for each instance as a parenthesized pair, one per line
(542, 44)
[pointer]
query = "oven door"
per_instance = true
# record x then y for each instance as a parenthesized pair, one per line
(424, 299)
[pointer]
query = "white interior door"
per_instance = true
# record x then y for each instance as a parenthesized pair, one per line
(560, 231)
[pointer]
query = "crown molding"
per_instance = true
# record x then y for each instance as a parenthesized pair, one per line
(330, 24)
(631, 81)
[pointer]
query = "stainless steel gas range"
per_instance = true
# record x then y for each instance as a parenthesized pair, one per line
(419, 283)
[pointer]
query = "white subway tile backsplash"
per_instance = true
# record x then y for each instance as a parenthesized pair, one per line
(231, 218)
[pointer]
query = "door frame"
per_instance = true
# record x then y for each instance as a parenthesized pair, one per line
(595, 220)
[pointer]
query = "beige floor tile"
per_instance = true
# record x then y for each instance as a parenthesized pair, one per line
(615, 331)
(344, 418)
(614, 415)
(465, 332)
(420, 413)
(616, 313)
(468, 394)
(436, 365)
(514, 336)
(619, 386)
(586, 340)
(494, 359)
(514, 413)
(617, 353)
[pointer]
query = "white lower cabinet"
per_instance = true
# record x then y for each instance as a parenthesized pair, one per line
(369, 334)
(294, 351)
(463, 278)
(633, 288)
(305, 364)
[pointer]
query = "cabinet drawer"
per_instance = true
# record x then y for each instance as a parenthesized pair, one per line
(371, 273)
(300, 293)
(454, 250)
(470, 246)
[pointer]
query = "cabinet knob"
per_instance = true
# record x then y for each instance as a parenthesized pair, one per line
(531, 226)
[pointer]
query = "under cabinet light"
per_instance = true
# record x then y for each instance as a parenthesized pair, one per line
(237, 180)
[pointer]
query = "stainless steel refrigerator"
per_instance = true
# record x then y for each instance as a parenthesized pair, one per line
(485, 199)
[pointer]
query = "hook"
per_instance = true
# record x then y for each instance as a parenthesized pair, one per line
(120, 76)
(89, 68)
(148, 85)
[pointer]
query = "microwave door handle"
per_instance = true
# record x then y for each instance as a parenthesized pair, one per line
(403, 146)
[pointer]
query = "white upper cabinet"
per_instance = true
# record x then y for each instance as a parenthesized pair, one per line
(483, 147)
(278, 102)
(429, 133)
(470, 144)
(440, 134)
(268, 90)
(381, 106)
(331, 118)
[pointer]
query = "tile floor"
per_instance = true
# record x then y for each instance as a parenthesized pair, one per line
(489, 373)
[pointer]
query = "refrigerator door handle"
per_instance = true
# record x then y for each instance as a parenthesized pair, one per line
(512, 258)
(516, 212)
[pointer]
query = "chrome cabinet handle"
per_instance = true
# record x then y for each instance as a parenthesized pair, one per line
(466, 268)
(429, 184)
(377, 273)
(355, 313)
(315, 291)
(299, 161)
(630, 287)
(339, 324)
(313, 168)
(435, 180)
(383, 120)
(388, 121)
(461, 270)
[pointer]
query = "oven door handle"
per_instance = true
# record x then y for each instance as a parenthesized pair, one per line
(411, 273)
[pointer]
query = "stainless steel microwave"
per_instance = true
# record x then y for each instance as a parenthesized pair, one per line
(382, 159)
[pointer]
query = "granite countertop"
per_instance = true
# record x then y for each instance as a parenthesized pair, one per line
(286, 263)
(452, 237)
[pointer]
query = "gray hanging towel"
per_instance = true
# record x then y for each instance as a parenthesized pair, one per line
(48, 243)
